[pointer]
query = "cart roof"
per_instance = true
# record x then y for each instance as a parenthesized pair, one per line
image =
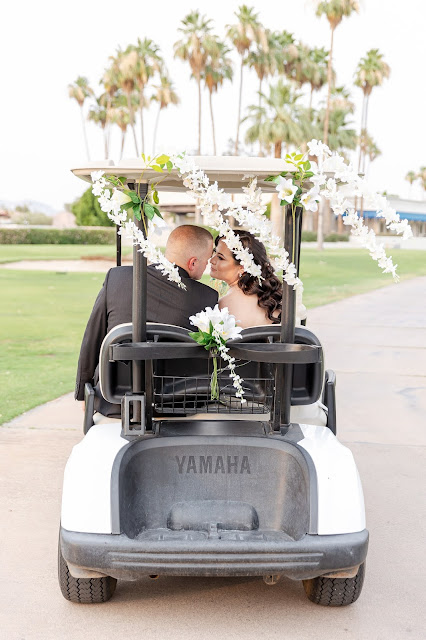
(228, 171)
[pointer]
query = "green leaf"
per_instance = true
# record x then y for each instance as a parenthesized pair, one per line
(148, 210)
(137, 212)
(122, 180)
(157, 168)
(169, 166)
(163, 159)
(298, 157)
(134, 196)
(155, 196)
(128, 205)
(143, 158)
(158, 212)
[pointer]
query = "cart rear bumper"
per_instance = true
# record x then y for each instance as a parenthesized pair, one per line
(223, 553)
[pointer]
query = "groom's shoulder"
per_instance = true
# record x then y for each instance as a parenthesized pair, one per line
(209, 294)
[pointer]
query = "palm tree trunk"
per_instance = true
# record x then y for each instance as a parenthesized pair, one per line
(260, 93)
(132, 122)
(141, 99)
(199, 114)
(310, 99)
(84, 132)
(105, 142)
(213, 132)
(155, 131)
(276, 209)
(329, 74)
(239, 107)
(123, 136)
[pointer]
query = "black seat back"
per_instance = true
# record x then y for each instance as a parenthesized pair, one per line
(182, 386)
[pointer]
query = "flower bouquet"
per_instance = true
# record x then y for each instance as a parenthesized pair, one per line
(215, 327)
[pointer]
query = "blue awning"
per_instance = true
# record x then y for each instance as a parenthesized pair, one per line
(420, 217)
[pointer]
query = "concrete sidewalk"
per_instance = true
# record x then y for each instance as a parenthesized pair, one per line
(376, 343)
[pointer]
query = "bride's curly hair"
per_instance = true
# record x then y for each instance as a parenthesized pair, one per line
(269, 292)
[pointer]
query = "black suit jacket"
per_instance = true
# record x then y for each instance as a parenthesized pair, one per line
(166, 303)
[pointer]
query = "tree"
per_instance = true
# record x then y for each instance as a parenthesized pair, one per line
(149, 61)
(218, 69)
(191, 48)
(98, 115)
(79, 91)
(411, 177)
(335, 11)
(422, 176)
(242, 34)
(88, 212)
(370, 73)
(120, 116)
(165, 95)
(263, 58)
(280, 121)
(368, 147)
(125, 62)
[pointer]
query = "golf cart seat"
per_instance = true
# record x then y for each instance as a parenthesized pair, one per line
(181, 387)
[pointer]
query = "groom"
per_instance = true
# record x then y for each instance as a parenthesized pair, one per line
(190, 248)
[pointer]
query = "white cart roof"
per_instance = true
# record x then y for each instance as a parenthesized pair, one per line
(231, 172)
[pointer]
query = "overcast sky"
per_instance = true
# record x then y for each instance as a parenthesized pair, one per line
(46, 44)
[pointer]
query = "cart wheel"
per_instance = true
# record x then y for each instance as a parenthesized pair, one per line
(335, 592)
(83, 590)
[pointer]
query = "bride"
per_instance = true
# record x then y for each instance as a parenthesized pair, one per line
(251, 303)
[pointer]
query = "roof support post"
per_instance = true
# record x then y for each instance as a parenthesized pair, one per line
(284, 372)
(139, 296)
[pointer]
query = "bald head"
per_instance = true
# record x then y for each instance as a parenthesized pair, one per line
(190, 247)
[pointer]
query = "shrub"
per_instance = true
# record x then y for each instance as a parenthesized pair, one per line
(336, 237)
(309, 236)
(57, 236)
(88, 212)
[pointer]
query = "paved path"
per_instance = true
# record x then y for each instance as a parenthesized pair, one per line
(376, 342)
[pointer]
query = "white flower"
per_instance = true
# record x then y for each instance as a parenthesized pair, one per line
(96, 175)
(334, 163)
(310, 199)
(317, 148)
(97, 189)
(286, 189)
(120, 198)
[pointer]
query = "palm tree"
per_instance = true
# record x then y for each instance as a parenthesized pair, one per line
(264, 58)
(98, 115)
(148, 62)
(285, 52)
(370, 73)
(341, 135)
(280, 122)
(317, 70)
(340, 98)
(124, 65)
(80, 90)
(411, 177)
(335, 11)
(191, 48)
(120, 115)
(218, 69)
(110, 82)
(368, 147)
(242, 35)
(164, 95)
(422, 176)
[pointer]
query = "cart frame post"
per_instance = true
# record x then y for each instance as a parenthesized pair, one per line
(284, 372)
(139, 298)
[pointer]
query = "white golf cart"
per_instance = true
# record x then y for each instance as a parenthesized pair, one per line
(186, 486)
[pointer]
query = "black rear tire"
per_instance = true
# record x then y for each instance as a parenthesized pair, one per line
(83, 590)
(335, 592)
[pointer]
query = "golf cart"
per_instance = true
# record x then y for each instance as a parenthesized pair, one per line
(184, 485)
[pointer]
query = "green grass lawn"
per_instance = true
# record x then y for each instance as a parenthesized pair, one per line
(43, 316)
(16, 252)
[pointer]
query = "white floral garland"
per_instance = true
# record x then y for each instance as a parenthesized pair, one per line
(213, 201)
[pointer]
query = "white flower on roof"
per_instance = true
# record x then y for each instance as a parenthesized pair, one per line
(286, 189)
(96, 175)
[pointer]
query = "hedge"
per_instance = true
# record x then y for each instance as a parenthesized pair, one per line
(311, 236)
(58, 236)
